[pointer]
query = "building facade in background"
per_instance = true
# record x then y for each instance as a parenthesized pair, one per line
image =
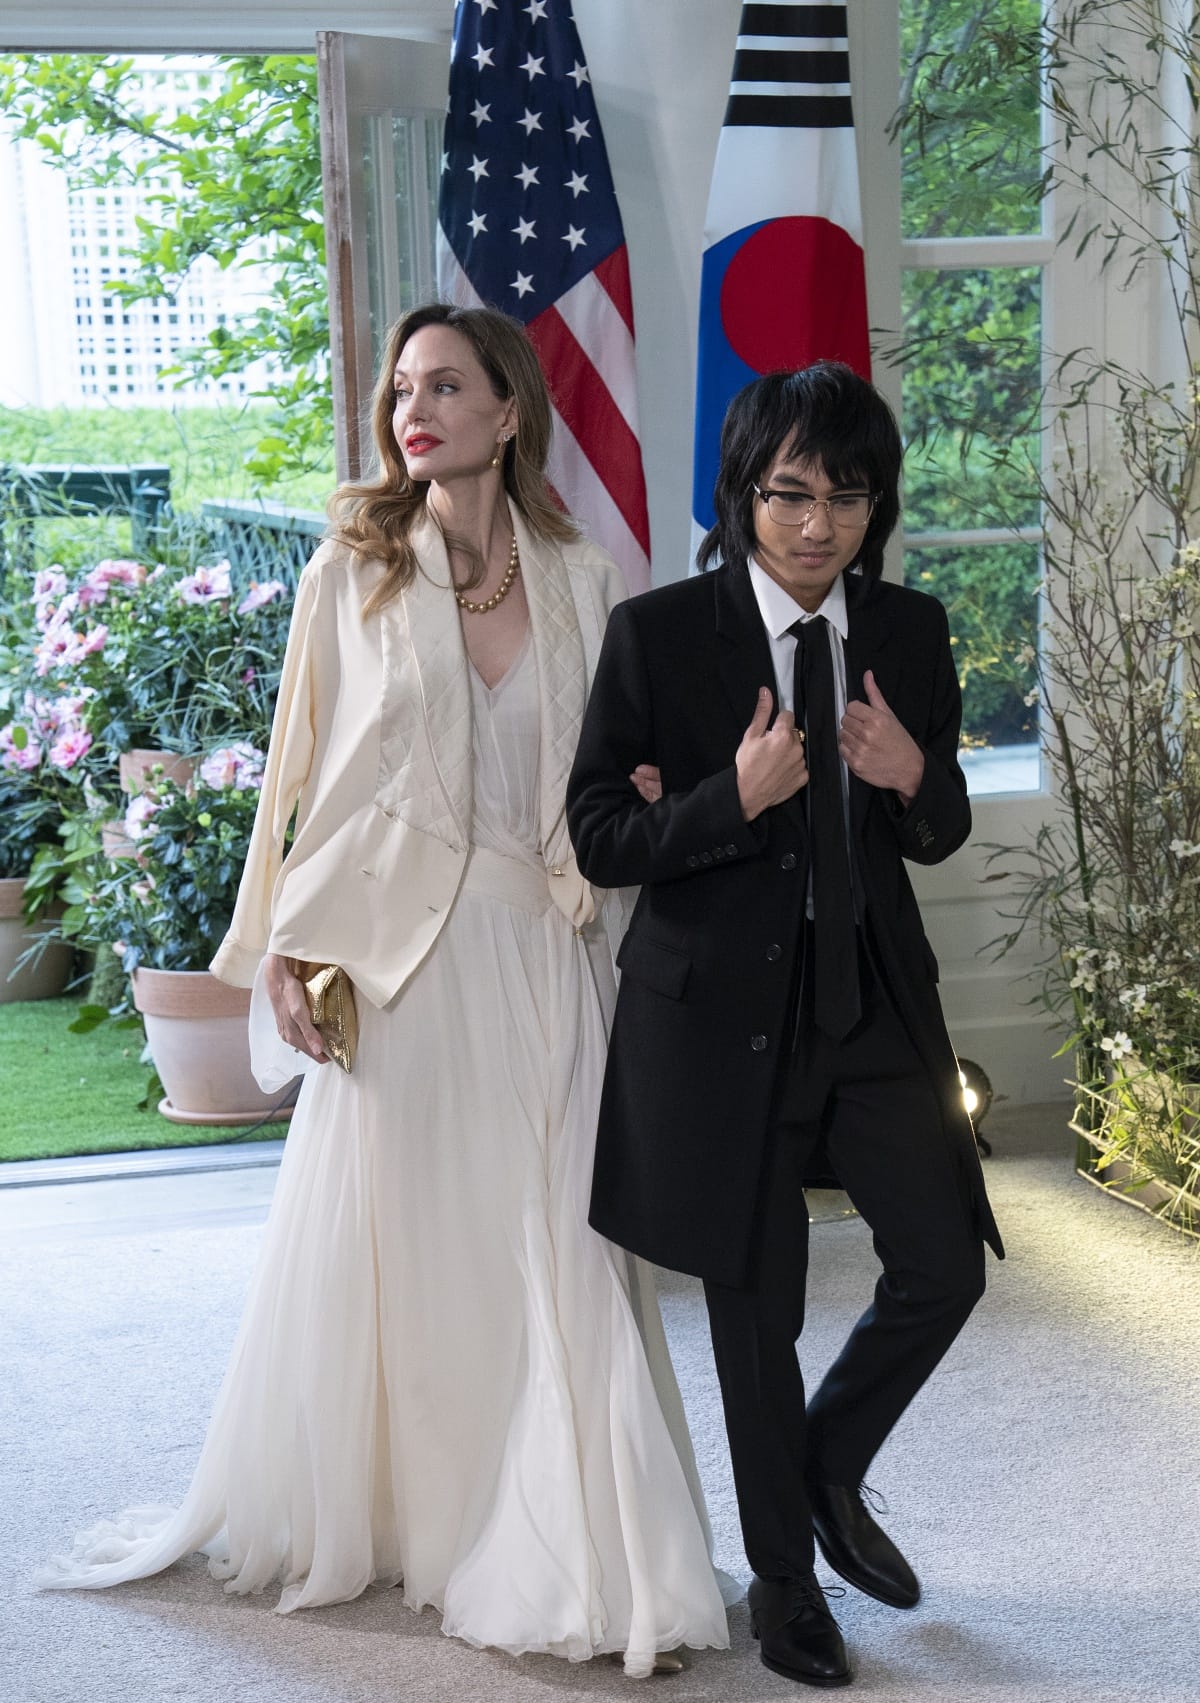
(71, 341)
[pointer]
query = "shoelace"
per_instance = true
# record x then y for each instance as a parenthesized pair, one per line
(815, 1591)
(874, 1499)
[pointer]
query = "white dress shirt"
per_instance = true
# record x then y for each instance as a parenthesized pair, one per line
(779, 611)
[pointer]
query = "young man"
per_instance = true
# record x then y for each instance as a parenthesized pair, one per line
(778, 1014)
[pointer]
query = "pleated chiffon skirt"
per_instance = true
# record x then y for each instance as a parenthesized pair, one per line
(444, 1380)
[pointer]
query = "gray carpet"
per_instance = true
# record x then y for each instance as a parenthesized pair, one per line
(1046, 1483)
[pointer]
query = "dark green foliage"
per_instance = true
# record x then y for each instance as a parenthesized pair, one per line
(971, 344)
(990, 594)
(169, 907)
(970, 144)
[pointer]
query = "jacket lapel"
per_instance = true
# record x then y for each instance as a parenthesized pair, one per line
(562, 679)
(866, 637)
(744, 653)
(425, 754)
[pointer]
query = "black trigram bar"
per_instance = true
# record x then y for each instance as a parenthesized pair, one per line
(818, 21)
(789, 65)
(799, 112)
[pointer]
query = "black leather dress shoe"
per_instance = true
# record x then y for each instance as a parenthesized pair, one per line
(858, 1549)
(797, 1635)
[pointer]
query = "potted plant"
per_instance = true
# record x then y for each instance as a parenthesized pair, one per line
(1112, 881)
(42, 745)
(33, 964)
(164, 911)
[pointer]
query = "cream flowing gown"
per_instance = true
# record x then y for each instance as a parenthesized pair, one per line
(443, 1378)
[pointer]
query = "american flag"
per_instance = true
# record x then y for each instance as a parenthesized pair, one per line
(783, 280)
(528, 222)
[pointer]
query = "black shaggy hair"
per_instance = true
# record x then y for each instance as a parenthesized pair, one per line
(824, 413)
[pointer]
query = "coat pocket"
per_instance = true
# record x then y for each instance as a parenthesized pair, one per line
(664, 969)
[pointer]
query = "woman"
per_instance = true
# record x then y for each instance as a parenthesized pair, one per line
(443, 1377)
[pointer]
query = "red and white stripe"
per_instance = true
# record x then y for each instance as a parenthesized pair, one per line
(585, 345)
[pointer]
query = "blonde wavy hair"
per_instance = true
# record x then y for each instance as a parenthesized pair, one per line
(376, 516)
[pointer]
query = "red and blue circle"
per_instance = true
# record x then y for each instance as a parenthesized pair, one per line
(779, 294)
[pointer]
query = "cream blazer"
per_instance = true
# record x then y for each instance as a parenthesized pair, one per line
(371, 746)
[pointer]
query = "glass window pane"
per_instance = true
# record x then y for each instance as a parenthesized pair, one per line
(401, 154)
(990, 595)
(970, 146)
(972, 385)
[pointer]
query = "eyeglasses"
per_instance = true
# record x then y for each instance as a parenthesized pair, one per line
(850, 509)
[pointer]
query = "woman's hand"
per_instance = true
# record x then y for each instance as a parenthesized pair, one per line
(648, 780)
(285, 990)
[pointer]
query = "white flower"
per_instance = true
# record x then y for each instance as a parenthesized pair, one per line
(1032, 696)
(1185, 848)
(138, 814)
(1117, 1046)
(239, 766)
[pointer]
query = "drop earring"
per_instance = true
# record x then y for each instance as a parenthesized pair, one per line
(499, 455)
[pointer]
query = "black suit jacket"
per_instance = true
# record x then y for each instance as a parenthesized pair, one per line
(707, 964)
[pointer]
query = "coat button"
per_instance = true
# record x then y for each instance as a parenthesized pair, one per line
(730, 851)
(788, 860)
(691, 862)
(719, 853)
(758, 1043)
(705, 857)
(774, 953)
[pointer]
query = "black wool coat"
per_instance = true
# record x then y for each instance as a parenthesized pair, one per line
(708, 962)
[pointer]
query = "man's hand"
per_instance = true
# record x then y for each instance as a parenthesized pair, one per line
(648, 781)
(286, 993)
(770, 765)
(877, 748)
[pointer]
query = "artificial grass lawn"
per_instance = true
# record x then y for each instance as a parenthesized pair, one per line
(62, 1093)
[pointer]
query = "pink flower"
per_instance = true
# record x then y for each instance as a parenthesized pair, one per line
(258, 595)
(239, 766)
(68, 748)
(138, 814)
(62, 712)
(249, 677)
(206, 585)
(93, 643)
(18, 756)
(49, 584)
(96, 585)
(115, 572)
(58, 643)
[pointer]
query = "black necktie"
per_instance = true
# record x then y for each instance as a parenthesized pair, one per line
(836, 1006)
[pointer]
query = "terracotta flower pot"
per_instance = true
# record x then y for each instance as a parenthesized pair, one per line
(114, 841)
(43, 978)
(196, 1031)
(133, 767)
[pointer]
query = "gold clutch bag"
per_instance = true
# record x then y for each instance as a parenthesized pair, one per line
(330, 996)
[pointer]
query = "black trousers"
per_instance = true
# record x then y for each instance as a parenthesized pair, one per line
(869, 1100)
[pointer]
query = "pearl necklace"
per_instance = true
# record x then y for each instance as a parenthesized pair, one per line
(502, 591)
